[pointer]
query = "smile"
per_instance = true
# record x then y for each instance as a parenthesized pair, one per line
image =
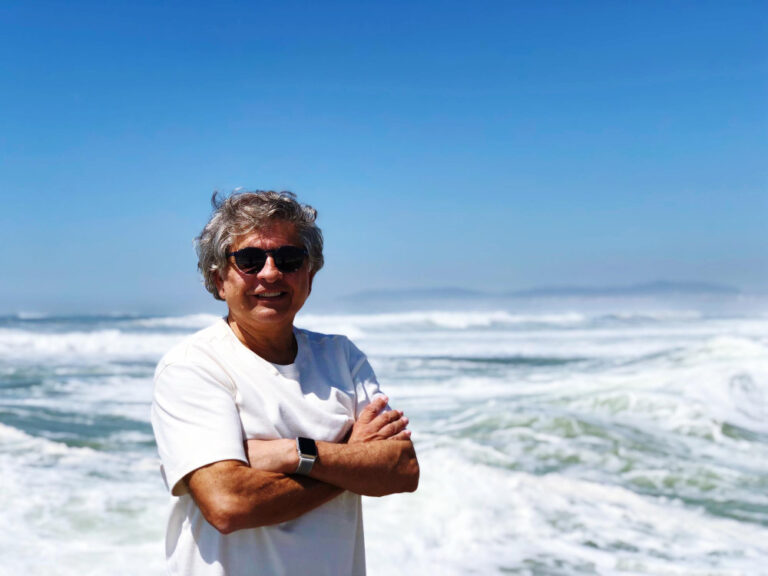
(267, 295)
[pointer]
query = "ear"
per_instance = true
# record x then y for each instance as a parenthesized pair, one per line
(311, 278)
(219, 281)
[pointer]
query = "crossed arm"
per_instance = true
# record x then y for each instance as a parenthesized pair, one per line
(377, 459)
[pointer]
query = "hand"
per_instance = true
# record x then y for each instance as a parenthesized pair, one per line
(376, 423)
(278, 455)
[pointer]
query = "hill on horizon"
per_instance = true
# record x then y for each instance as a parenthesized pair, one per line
(658, 288)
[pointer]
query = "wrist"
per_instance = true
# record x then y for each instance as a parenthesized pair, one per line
(291, 457)
(306, 454)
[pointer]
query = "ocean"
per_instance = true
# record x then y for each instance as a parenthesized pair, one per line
(555, 436)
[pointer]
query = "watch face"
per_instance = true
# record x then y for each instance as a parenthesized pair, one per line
(307, 446)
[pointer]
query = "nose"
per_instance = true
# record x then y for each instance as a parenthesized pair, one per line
(269, 272)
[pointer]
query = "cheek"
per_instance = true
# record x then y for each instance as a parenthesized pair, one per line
(227, 284)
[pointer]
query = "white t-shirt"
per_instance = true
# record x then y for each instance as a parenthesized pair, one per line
(211, 394)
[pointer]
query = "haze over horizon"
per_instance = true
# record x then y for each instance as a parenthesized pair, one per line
(655, 297)
(497, 149)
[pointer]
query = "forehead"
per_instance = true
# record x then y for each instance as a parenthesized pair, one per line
(273, 235)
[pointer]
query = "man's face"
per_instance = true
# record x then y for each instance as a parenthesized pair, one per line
(269, 298)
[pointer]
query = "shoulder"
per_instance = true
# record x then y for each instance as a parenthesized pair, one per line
(328, 342)
(200, 349)
(332, 346)
(318, 339)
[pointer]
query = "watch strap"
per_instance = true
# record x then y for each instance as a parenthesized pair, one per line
(306, 461)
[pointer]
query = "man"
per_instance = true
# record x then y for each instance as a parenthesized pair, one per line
(269, 434)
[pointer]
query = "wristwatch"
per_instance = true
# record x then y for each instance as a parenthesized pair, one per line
(307, 455)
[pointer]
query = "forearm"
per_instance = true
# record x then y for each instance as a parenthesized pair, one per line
(233, 496)
(368, 468)
(377, 459)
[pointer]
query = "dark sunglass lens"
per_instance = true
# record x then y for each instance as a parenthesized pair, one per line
(250, 259)
(289, 258)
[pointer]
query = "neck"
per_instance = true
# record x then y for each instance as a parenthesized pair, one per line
(277, 345)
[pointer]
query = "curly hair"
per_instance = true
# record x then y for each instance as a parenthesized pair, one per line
(241, 213)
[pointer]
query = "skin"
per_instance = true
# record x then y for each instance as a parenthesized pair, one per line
(265, 324)
(378, 457)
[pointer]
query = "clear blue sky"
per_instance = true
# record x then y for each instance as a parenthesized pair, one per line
(485, 145)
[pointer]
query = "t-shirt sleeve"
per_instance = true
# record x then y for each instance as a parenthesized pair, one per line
(364, 378)
(195, 420)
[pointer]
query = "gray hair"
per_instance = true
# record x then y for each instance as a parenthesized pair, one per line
(241, 213)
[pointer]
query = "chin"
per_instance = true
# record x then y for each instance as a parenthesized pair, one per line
(273, 315)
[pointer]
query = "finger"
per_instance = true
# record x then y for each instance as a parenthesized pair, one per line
(370, 412)
(382, 429)
(402, 435)
(393, 428)
(386, 418)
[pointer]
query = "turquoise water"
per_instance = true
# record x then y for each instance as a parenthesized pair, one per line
(555, 438)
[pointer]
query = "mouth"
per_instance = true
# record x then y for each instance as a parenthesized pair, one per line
(270, 295)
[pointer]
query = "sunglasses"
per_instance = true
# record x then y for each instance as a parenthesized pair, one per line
(287, 258)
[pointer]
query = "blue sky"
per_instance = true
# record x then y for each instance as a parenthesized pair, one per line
(487, 145)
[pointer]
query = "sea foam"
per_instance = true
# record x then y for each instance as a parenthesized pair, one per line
(571, 440)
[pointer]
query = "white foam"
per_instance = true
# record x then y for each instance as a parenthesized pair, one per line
(471, 518)
(122, 396)
(192, 321)
(484, 432)
(74, 510)
(79, 346)
(657, 315)
(435, 318)
(410, 334)
(31, 315)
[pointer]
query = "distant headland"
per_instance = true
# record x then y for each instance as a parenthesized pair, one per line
(659, 288)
